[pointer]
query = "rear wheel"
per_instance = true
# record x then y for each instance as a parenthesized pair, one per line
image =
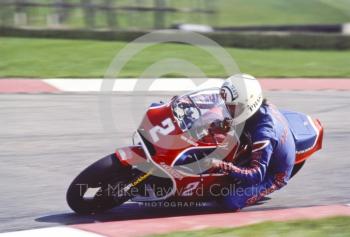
(97, 188)
(296, 168)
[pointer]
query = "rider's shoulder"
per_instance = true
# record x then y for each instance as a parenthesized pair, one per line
(264, 112)
(267, 109)
(261, 120)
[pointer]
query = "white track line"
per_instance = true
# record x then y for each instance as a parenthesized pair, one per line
(128, 84)
(52, 232)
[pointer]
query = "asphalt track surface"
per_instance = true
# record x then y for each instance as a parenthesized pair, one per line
(47, 139)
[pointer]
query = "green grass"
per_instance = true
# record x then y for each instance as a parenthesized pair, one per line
(229, 13)
(337, 226)
(257, 12)
(20, 57)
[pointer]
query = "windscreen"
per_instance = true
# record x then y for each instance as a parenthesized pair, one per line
(195, 111)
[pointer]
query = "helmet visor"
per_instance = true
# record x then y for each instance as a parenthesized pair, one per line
(235, 109)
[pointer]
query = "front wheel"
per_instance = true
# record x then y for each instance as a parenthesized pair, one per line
(95, 189)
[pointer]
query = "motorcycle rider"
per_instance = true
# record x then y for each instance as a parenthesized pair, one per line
(273, 149)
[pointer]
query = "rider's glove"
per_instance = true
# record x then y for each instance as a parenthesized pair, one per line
(226, 167)
(220, 126)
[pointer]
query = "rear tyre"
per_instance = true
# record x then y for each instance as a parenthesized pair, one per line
(104, 176)
(296, 168)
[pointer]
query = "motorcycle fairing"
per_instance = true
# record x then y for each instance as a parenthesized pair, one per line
(166, 133)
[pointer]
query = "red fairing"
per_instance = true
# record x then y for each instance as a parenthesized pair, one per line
(130, 155)
(161, 129)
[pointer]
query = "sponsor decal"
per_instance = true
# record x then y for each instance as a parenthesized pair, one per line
(172, 171)
(256, 103)
(141, 178)
(136, 182)
(189, 141)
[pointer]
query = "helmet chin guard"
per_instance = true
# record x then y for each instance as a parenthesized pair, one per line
(243, 96)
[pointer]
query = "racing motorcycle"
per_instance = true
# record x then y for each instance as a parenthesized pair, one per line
(169, 156)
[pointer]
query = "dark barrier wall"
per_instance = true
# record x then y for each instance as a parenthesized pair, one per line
(335, 28)
(283, 40)
(229, 39)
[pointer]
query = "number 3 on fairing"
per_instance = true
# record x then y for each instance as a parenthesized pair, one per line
(167, 128)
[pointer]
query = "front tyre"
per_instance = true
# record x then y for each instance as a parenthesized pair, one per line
(102, 178)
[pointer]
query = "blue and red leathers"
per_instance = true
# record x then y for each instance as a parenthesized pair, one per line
(272, 159)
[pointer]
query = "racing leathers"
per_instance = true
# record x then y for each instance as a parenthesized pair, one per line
(272, 159)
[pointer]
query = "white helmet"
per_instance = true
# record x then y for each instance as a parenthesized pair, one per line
(242, 94)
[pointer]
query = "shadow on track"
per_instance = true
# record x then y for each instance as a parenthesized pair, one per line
(134, 211)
